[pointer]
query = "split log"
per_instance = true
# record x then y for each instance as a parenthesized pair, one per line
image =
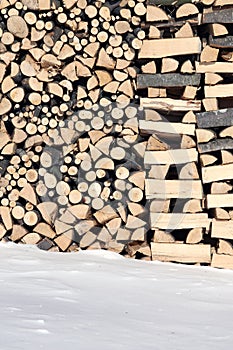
(225, 247)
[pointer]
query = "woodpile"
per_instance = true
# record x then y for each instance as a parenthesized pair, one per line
(116, 127)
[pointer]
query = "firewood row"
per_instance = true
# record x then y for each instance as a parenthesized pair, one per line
(116, 127)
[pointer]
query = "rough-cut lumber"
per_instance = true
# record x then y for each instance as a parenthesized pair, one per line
(171, 221)
(166, 127)
(185, 253)
(221, 117)
(167, 80)
(216, 145)
(219, 200)
(176, 156)
(217, 173)
(220, 90)
(169, 2)
(173, 189)
(222, 229)
(221, 42)
(214, 67)
(169, 104)
(220, 16)
(169, 47)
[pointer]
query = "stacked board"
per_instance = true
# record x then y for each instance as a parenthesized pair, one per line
(116, 127)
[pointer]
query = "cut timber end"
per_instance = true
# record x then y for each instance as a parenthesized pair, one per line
(222, 261)
(185, 253)
(159, 48)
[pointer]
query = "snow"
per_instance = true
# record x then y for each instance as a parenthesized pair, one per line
(100, 300)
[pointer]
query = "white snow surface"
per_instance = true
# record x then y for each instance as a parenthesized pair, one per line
(100, 300)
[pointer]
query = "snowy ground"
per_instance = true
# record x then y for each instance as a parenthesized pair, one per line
(99, 300)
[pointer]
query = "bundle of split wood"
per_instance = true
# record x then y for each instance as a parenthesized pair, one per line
(113, 114)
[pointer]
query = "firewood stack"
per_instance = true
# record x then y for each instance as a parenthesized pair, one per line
(115, 127)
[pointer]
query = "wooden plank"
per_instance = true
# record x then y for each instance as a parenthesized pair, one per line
(221, 117)
(216, 145)
(220, 90)
(166, 127)
(219, 200)
(167, 80)
(169, 2)
(222, 229)
(176, 156)
(185, 253)
(158, 48)
(221, 42)
(173, 221)
(222, 261)
(222, 2)
(220, 16)
(169, 104)
(217, 173)
(214, 67)
(173, 189)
